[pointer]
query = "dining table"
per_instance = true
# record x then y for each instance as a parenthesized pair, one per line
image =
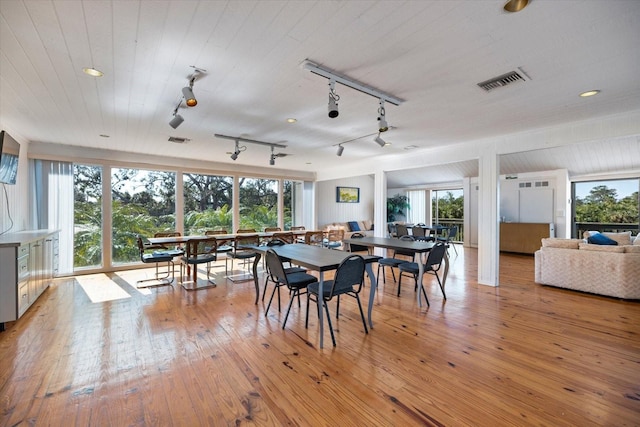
(318, 259)
(419, 248)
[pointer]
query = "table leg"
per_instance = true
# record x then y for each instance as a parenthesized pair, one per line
(321, 307)
(418, 259)
(256, 261)
(372, 292)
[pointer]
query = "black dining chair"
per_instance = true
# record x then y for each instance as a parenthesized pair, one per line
(242, 252)
(199, 251)
(268, 277)
(448, 237)
(348, 280)
(297, 283)
(393, 262)
(157, 255)
(432, 266)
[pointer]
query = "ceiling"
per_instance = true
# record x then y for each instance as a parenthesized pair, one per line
(431, 54)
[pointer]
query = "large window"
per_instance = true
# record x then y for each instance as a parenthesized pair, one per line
(606, 206)
(87, 216)
(448, 209)
(143, 203)
(258, 203)
(208, 203)
(292, 193)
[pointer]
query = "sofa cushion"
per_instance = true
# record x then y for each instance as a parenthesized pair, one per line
(353, 226)
(632, 249)
(367, 225)
(637, 240)
(623, 238)
(601, 239)
(553, 242)
(601, 248)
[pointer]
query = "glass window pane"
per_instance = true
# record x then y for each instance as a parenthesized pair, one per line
(87, 216)
(606, 206)
(258, 203)
(208, 203)
(143, 202)
(448, 209)
(292, 195)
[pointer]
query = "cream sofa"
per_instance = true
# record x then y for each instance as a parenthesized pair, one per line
(599, 269)
(366, 229)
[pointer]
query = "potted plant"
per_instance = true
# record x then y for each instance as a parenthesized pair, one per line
(396, 205)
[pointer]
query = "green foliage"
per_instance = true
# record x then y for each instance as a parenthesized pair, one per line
(601, 205)
(196, 223)
(450, 207)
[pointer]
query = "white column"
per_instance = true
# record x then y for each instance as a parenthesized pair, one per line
(488, 227)
(380, 208)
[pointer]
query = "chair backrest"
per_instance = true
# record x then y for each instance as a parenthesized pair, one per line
(335, 235)
(215, 232)
(297, 227)
(199, 247)
(453, 232)
(349, 275)
(275, 267)
(249, 239)
(401, 230)
(436, 254)
(272, 229)
(285, 236)
(417, 231)
(167, 234)
(405, 252)
(245, 230)
(313, 238)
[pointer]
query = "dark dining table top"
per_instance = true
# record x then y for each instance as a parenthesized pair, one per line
(392, 243)
(313, 257)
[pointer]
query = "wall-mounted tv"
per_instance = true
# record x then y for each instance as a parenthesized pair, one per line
(9, 153)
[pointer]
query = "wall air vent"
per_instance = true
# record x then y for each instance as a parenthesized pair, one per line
(504, 80)
(178, 140)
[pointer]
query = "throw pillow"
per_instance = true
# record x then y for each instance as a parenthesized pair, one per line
(637, 240)
(601, 239)
(553, 242)
(353, 226)
(623, 238)
(602, 248)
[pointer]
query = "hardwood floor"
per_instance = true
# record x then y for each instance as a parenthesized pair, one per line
(519, 354)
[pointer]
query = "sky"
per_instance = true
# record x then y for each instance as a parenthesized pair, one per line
(624, 187)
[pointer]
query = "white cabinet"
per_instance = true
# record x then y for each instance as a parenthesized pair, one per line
(28, 263)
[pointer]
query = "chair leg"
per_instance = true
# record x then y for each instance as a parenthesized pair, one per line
(326, 309)
(364, 322)
(337, 306)
(286, 316)
(399, 282)
(266, 312)
(440, 283)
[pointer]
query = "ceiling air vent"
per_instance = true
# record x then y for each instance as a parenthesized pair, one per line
(504, 80)
(178, 140)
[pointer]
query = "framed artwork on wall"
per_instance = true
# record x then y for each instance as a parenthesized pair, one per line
(347, 195)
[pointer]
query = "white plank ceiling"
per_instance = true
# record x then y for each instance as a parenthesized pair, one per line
(431, 54)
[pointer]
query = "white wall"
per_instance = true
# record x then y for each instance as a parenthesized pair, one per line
(328, 210)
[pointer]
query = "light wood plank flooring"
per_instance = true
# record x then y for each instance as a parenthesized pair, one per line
(519, 354)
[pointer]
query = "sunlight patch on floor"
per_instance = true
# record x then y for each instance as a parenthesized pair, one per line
(100, 288)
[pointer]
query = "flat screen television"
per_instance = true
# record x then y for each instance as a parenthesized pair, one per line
(9, 153)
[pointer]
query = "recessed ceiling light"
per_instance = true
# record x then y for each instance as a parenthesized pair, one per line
(589, 93)
(291, 120)
(410, 147)
(93, 72)
(515, 5)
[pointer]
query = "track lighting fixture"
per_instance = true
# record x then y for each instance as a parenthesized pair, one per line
(333, 99)
(381, 142)
(382, 121)
(237, 151)
(272, 159)
(340, 150)
(189, 97)
(515, 5)
(177, 118)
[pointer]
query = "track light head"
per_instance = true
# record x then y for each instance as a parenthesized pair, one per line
(176, 121)
(272, 160)
(333, 107)
(333, 99)
(381, 142)
(340, 150)
(234, 156)
(382, 121)
(189, 97)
